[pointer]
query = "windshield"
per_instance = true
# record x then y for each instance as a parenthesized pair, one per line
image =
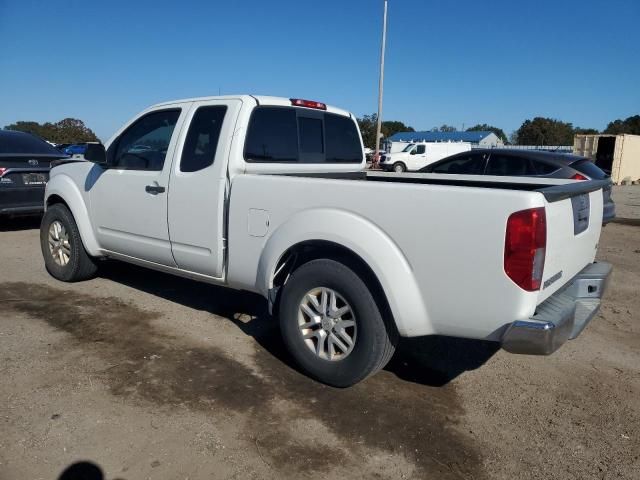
(408, 147)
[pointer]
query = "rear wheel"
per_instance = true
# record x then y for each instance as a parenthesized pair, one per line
(64, 255)
(399, 167)
(332, 325)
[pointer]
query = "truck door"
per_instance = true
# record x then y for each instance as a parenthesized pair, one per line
(198, 187)
(418, 157)
(129, 199)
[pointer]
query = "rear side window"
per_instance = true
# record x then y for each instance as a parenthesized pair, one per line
(543, 168)
(202, 139)
(506, 165)
(282, 134)
(589, 168)
(469, 164)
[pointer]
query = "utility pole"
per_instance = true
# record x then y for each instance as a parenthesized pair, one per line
(376, 157)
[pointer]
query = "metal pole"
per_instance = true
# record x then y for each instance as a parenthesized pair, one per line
(381, 86)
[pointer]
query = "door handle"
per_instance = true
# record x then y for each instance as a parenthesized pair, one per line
(154, 189)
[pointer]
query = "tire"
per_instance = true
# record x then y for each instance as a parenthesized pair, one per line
(373, 341)
(71, 262)
(399, 167)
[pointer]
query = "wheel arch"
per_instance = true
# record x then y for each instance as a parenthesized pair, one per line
(62, 190)
(363, 246)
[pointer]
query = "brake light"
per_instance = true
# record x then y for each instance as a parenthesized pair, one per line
(298, 102)
(2, 170)
(579, 176)
(524, 248)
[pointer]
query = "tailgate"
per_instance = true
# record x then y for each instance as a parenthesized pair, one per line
(574, 222)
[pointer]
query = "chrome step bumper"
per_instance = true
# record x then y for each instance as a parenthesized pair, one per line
(562, 316)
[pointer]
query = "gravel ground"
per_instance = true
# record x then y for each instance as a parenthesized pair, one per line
(149, 376)
(627, 198)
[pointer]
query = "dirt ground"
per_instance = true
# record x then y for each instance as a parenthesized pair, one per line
(148, 376)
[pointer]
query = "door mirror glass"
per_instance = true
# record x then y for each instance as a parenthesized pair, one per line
(413, 152)
(96, 153)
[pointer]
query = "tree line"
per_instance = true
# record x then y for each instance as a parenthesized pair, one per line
(68, 130)
(537, 131)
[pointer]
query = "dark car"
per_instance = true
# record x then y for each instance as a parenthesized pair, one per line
(25, 161)
(526, 163)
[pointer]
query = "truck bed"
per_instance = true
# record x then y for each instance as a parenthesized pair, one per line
(443, 235)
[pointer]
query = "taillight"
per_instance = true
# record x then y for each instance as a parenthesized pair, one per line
(298, 102)
(524, 248)
(579, 176)
(2, 170)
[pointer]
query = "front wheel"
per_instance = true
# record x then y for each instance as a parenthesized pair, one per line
(399, 167)
(332, 325)
(64, 255)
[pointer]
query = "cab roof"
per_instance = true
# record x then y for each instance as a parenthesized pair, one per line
(259, 99)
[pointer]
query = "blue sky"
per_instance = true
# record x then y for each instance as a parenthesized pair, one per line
(462, 62)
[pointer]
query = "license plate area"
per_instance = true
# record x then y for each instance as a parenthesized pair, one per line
(34, 178)
(581, 211)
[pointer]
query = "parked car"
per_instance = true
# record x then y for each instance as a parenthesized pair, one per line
(271, 195)
(75, 149)
(417, 155)
(24, 171)
(527, 163)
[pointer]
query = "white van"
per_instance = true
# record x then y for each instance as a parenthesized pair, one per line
(420, 154)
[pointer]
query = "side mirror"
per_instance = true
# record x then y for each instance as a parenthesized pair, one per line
(96, 153)
(413, 152)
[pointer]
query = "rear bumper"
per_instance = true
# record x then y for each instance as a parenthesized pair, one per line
(562, 316)
(21, 200)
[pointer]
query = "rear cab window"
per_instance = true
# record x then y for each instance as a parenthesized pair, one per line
(298, 135)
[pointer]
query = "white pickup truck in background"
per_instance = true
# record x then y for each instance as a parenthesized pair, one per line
(417, 155)
(270, 195)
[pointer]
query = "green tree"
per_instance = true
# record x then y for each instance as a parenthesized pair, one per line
(446, 128)
(483, 127)
(628, 125)
(585, 131)
(68, 130)
(391, 127)
(368, 124)
(545, 131)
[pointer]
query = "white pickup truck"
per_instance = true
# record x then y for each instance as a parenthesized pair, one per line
(270, 195)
